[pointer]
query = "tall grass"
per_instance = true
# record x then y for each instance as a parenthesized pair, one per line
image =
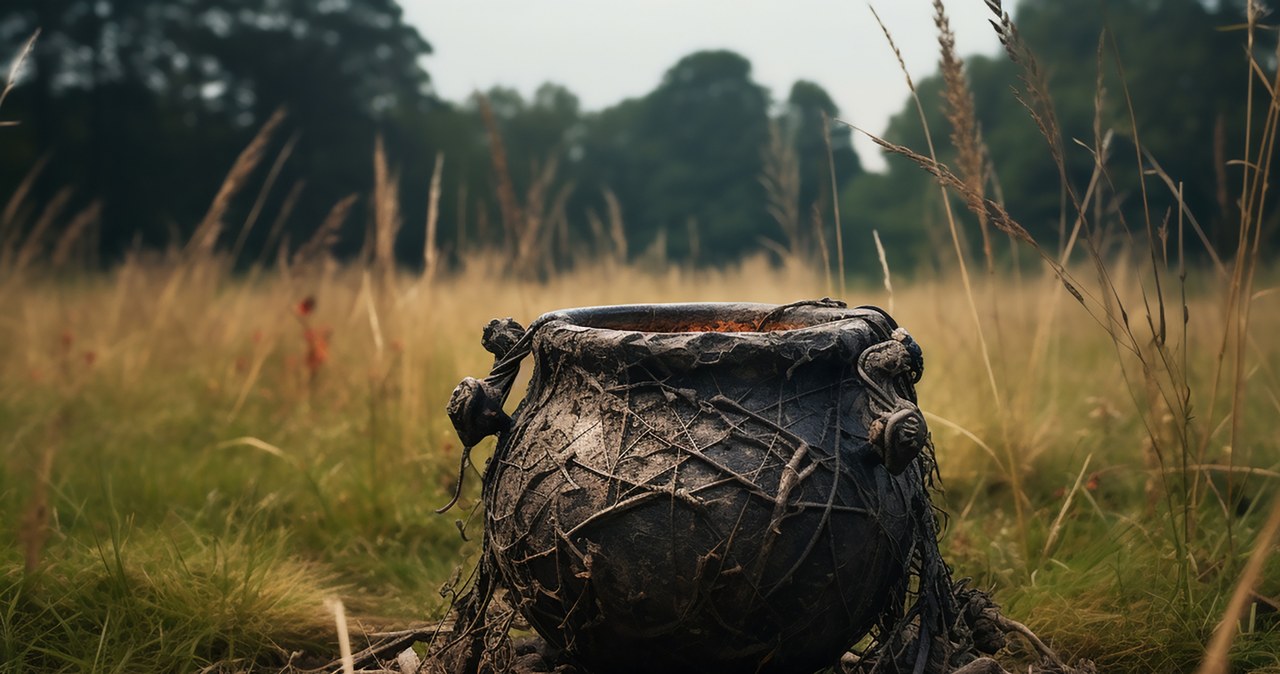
(1139, 300)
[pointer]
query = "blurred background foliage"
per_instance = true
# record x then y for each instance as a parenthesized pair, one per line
(141, 107)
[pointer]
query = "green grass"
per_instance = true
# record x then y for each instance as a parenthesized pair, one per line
(207, 491)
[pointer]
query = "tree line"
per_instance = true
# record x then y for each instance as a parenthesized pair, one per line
(136, 109)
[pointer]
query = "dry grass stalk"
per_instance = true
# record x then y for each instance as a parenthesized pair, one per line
(344, 634)
(326, 235)
(1161, 366)
(820, 235)
(931, 163)
(558, 221)
(694, 242)
(1110, 311)
(1101, 155)
(884, 267)
(277, 226)
(33, 531)
(966, 136)
(9, 216)
(955, 240)
(1220, 166)
(261, 201)
(430, 252)
(1159, 334)
(893, 45)
(531, 241)
(780, 178)
(510, 208)
(386, 208)
(367, 300)
(1001, 220)
(74, 231)
(617, 231)
(34, 243)
(1216, 658)
(1056, 527)
(1184, 212)
(1259, 156)
(12, 80)
(527, 229)
(564, 240)
(1034, 94)
(461, 244)
(206, 234)
(835, 192)
(1034, 97)
(602, 246)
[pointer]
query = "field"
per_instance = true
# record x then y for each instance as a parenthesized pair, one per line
(213, 468)
(195, 461)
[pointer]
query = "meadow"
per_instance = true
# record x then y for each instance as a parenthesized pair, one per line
(195, 461)
(199, 463)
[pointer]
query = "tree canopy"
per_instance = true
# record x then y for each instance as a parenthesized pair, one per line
(144, 105)
(1169, 63)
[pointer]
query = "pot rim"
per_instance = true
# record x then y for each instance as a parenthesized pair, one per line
(725, 318)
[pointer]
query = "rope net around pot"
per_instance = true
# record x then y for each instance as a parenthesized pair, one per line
(696, 488)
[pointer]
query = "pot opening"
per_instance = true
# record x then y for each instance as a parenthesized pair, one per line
(731, 326)
(703, 317)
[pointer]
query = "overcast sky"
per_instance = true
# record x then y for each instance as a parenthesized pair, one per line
(608, 50)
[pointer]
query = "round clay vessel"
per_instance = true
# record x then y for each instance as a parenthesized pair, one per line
(709, 487)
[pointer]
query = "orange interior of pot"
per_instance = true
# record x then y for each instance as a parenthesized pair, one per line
(701, 324)
(735, 326)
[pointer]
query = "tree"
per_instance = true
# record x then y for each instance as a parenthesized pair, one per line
(145, 104)
(803, 120)
(1186, 79)
(684, 161)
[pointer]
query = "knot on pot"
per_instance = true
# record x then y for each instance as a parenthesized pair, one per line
(500, 337)
(475, 408)
(897, 357)
(915, 357)
(899, 436)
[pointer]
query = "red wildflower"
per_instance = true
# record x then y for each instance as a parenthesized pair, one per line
(306, 306)
(317, 348)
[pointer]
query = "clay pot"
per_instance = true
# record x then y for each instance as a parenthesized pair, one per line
(703, 487)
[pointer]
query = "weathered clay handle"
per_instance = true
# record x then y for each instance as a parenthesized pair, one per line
(897, 429)
(475, 408)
